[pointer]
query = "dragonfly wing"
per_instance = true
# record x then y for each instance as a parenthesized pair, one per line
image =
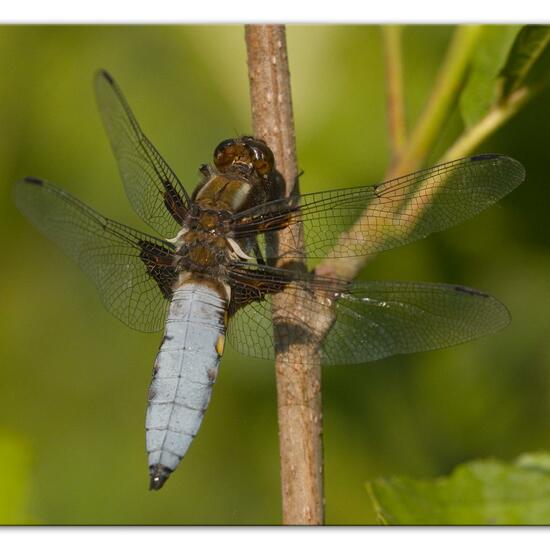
(380, 319)
(371, 320)
(153, 189)
(366, 220)
(132, 270)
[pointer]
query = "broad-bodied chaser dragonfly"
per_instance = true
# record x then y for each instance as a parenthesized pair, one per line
(216, 268)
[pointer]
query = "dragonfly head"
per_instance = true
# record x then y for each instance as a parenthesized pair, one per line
(245, 156)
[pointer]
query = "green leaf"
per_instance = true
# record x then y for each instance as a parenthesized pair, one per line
(15, 465)
(484, 492)
(483, 87)
(528, 47)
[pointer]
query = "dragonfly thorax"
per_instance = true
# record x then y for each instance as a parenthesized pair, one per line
(205, 219)
(203, 252)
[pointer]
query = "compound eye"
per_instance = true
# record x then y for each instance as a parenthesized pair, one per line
(225, 153)
(264, 160)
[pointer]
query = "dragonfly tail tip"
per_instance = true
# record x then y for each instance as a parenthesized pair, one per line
(158, 475)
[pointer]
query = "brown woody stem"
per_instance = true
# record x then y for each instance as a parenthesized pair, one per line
(298, 387)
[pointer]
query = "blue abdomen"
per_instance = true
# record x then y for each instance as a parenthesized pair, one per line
(185, 370)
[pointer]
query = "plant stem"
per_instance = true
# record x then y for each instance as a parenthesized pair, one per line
(495, 118)
(448, 84)
(446, 88)
(391, 36)
(298, 386)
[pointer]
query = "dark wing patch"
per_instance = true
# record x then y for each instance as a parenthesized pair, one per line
(159, 263)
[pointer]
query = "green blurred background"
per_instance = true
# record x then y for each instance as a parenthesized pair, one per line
(74, 380)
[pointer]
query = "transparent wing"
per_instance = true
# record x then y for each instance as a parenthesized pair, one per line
(372, 319)
(132, 271)
(365, 220)
(154, 191)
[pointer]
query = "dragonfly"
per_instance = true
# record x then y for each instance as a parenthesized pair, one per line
(217, 267)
